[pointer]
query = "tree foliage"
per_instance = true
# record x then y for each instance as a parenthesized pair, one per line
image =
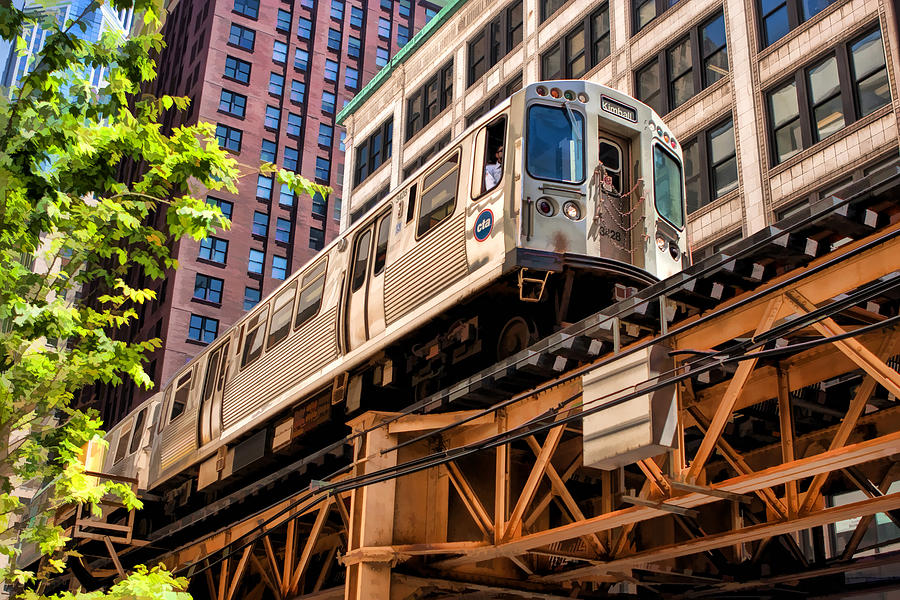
(67, 222)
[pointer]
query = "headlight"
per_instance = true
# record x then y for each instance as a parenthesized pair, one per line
(660, 242)
(571, 210)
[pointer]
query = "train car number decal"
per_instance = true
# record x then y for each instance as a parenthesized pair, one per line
(483, 225)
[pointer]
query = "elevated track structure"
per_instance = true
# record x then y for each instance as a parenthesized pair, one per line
(774, 473)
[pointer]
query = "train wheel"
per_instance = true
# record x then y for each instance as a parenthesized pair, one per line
(515, 336)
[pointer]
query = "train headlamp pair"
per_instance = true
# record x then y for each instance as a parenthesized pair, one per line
(547, 208)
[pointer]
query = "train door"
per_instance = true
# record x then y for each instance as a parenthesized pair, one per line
(211, 398)
(365, 302)
(614, 204)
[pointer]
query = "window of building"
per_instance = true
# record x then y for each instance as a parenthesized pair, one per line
(334, 40)
(232, 104)
(387, 5)
(331, 70)
(402, 35)
(373, 152)
(689, 65)
(495, 41)
(438, 195)
(241, 37)
(356, 17)
(549, 7)
(710, 165)
(208, 288)
(273, 117)
(319, 205)
(353, 47)
(248, 8)
(283, 20)
(294, 124)
(282, 230)
(381, 56)
(511, 87)
(291, 159)
(304, 28)
(430, 13)
(298, 91)
(818, 101)
(337, 10)
(308, 4)
(580, 50)
(316, 238)
(323, 168)
(267, 151)
(342, 137)
(326, 134)
(405, 8)
(229, 138)
(384, 28)
(301, 59)
(251, 297)
(263, 187)
(351, 78)
(203, 329)
(256, 261)
(214, 249)
(237, 69)
(781, 16)
(647, 10)
(336, 209)
(276, 84)
(430, 100)
(279, 52)
(285, 196)
(328, 102)
(279, 267)
(224, 205)
(260, 224)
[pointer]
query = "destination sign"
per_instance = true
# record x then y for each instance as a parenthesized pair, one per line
(617, 108)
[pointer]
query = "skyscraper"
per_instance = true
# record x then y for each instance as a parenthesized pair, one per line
(271, 76)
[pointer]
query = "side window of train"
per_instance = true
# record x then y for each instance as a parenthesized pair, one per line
(282, 311)
(122, 444)
(381, 244)
(611, 157)
(360, 260)
(138, 431)
(411, 204)
(180, 398)
(253, 340)
(438, 195)
(490, 146)
(167, 402)
(313, 284)
(154, 422)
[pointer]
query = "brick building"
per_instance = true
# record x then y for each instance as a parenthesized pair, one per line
(271, 75)
(775, 102)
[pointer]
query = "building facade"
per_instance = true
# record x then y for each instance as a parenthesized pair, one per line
(775, 102)
(270, 75)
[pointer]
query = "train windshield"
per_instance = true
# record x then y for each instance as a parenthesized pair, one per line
(667, 187)
(556, 143)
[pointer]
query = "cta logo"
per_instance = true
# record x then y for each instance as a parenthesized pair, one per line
(483, 225)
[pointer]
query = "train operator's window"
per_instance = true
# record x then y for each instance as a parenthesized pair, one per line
(611, 158)
(556, 143)
(667, 187)
(361, 260)
(490, 147)
(381, 244)
(212, 372)
(180, 400)
(122, 446)
(138, 431)
(282, 310)
(313, 284)
(438, 195)
(253, 341)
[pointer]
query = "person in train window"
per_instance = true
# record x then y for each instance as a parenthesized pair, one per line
(494, 171)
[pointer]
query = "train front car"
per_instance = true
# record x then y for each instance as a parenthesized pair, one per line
(598, 186)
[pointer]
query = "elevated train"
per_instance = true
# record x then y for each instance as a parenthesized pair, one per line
(451, 271)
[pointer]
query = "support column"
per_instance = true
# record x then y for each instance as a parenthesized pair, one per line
(371, 516)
